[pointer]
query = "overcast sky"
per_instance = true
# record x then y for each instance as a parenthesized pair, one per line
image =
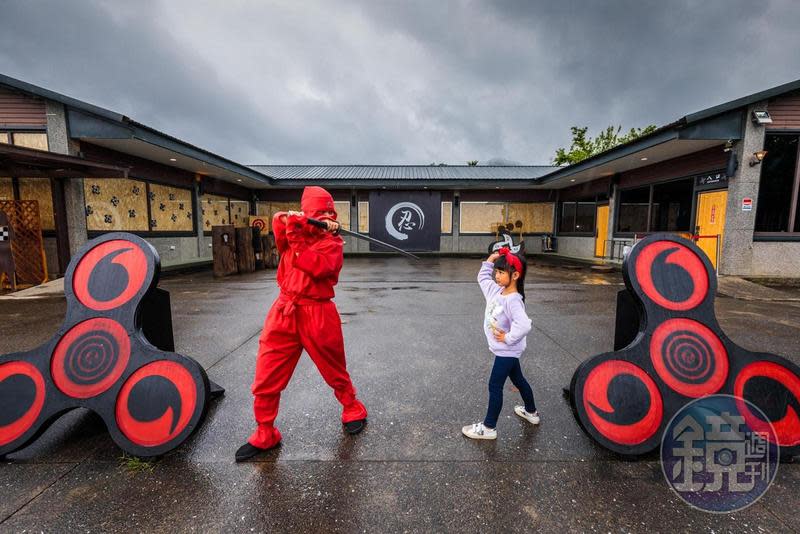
(340, 82)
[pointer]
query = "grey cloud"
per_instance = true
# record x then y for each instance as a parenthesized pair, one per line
(398, 82)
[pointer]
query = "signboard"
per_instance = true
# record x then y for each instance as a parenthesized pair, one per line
(408, 220)
(747, 204)
(716, 179)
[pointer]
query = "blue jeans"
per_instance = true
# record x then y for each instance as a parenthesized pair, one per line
(505, 367)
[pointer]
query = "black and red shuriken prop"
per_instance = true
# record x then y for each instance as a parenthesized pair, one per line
(150, 400)
(625, 399)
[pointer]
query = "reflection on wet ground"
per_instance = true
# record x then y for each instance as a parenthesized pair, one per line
(417, 355)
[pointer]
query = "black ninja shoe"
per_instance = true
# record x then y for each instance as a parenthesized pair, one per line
(247, 451)
(354, 427)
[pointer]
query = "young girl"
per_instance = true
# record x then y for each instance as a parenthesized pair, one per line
(502, 280)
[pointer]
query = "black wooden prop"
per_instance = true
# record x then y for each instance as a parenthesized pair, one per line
(150, 399)
(157, 327)
(627, 323)
(624, 399)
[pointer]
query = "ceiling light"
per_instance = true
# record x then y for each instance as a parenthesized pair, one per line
(572, 180)
(173, 159)
(238, 179)
(644, 158)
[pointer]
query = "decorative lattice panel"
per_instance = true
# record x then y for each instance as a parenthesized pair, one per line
(27, 245)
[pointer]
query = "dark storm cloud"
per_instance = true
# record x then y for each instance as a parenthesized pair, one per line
(400, 82)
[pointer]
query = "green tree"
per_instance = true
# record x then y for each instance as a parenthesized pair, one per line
(473, 163)
(583, 146)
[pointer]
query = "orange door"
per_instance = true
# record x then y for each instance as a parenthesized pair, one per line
(601, 231)
(711, 222)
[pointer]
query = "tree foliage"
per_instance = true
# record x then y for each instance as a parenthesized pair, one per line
(584, 146)
(473, 163)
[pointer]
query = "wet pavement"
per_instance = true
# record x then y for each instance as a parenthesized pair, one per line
(418, 357)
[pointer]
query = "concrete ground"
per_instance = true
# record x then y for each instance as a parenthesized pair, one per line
(418, 357)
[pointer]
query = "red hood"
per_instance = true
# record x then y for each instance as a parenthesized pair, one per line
(316, 200)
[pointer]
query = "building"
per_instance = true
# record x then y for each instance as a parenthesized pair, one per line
(727, 175)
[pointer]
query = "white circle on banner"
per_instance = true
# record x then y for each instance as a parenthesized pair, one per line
(407, 221)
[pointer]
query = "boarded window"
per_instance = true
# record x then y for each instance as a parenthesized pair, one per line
(240, 213)
(115, 204)
(481, 217)
(269, 209)
(215, 211)
(4, 138)
(535, 217)
(363, 217)
(171, 209)
(30, 140)
(485, 217)
(343, 213)
(447, 217)
(6, 189)
(38, 189)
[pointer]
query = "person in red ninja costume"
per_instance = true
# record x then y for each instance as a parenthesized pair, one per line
(302, 317)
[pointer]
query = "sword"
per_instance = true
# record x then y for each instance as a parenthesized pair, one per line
(321, 224)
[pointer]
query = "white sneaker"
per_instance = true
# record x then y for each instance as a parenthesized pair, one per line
(532, 418)
(478, 431)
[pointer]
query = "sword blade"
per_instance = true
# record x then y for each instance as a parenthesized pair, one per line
(377, 242)
(321, 224)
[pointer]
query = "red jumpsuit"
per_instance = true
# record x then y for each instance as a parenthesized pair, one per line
(302, 317)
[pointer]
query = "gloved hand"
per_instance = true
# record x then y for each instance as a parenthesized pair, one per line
(297, 230)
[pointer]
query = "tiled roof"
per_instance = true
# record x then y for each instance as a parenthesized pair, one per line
(403, 172)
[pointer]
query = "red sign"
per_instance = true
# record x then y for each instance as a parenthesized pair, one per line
(747, 204)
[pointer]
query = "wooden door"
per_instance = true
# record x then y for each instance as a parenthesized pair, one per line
(711, 222)
(601, 231)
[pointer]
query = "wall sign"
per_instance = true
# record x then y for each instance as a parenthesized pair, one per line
(713, 178)
(409, 220)
(747, 204)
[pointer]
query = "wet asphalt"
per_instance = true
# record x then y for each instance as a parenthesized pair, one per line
(418, 358)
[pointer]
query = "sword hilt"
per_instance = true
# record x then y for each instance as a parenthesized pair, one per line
(318, 224)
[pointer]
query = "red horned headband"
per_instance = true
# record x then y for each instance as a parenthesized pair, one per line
(511, 258)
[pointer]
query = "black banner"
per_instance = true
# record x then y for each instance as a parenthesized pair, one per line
(410, 220)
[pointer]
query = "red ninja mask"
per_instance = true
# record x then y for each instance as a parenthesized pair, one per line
(315, 202)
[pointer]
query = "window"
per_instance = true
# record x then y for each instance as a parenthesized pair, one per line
(171, 209)
(481, 217)
(240, 213)
(485, 217)
(118, 204)
(577, 217)
(30, 140)
(342, 213)
(363, 217)
(6, 188)
(567, 221)
(269, 209)
(584, 217)
(115, 204)
(38, 189)
(633, 208)
(777, 194)
(672, 206)
(447, 217)
(535, 217)
(216, 211)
